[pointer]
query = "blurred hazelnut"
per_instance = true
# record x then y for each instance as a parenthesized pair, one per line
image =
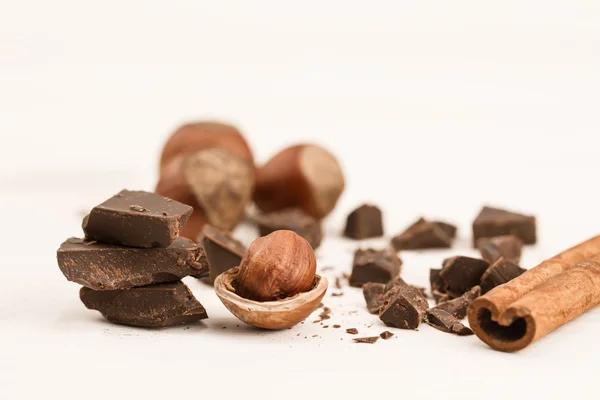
(303, 176)
(210, 167)
(276, 285)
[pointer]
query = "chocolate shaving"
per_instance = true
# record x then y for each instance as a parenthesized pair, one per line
(369, 340)
(352, 331)
(445, 322)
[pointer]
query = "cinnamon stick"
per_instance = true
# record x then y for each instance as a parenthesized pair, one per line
(512, 316)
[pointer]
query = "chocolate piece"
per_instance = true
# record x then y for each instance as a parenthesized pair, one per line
(364, 222)
(507, 246)
(292, 219)
(338, 282)
(137, 219)
(108, 267)
(424, 234)
(338, 294)
(449, 229)
(439, 297)
(458, 307)
(369, 340)
(493, 222)
(352, 331)
(385, 335)
(337, 326)
(404, 307)
(435, 280)
(445, 322)
(374, 266)
(499, 273)
(461, 274)
(163, 304)
(374, 298)
(222, 250)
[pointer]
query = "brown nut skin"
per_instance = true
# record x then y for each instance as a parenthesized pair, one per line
(185, 143)
(303, 176)
(195, 136)
(280, 314)
(279, 265)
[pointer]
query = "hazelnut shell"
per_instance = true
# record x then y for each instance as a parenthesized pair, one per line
(279, 314)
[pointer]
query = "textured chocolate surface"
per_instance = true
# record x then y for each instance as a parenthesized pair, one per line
(374, 296)
(425, 234)
(462, 273)
(508, 247)
(292, 219)
(108, 267)
(458, 307)
(374, 266)
(153, 306)
(137, 219)
(364, 222)
(404, 307)
(499, 273)
(493, 222)
(222, 250)
(445, 322)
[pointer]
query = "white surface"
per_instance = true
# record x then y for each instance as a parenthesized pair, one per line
(434, 108)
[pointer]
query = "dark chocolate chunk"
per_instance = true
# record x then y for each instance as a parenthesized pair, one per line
(499, 273)
(108, 267)
(462, 273)
(374, 266)
(493, 222)
(352, 331)
(458, 307)
(435, 280)
(404, 307)
(222, 250)
(364, 222)
(385, 335)
(292, 219)
(445, 322)
(137, 219)
(374, 296)
(424, 234)
(449, 229)
(369, 340)
(163, 304)
(507, 246)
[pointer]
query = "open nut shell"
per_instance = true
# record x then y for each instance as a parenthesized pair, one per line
(278, 314)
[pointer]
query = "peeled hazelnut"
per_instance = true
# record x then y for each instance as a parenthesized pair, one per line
(210, 167)
(276, 285)
(303, 176)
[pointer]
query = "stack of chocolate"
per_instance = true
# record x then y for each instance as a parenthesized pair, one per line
(132, 260)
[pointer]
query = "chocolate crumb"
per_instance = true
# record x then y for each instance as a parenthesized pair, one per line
(337, 294)
(385, 335)
(315, 335)
(164, 214)
(325, 326)
(352, 331)
(338, 284)
(328, 268)
(337, 326)
(135, 207)
(370, 340)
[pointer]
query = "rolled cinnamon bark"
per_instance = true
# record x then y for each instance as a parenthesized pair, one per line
(516, 314)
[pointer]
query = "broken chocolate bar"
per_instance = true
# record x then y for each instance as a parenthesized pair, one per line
(507, 246)
(493, 222)
(424, 234)
(137, 219)
(368, 340)
(374, 266)
(222, 250)
(153, 306)
(292, 219)
(499, 273)
(445, 322)
(364, 222)
(458, 307)
(461, 274)
(108, 267)
(404, 307)
(373, 293)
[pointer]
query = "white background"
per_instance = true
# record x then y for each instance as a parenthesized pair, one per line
(434, 108)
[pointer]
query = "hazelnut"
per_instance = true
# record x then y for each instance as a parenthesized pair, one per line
(303, 176)
(210, 167)
(276, 285)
